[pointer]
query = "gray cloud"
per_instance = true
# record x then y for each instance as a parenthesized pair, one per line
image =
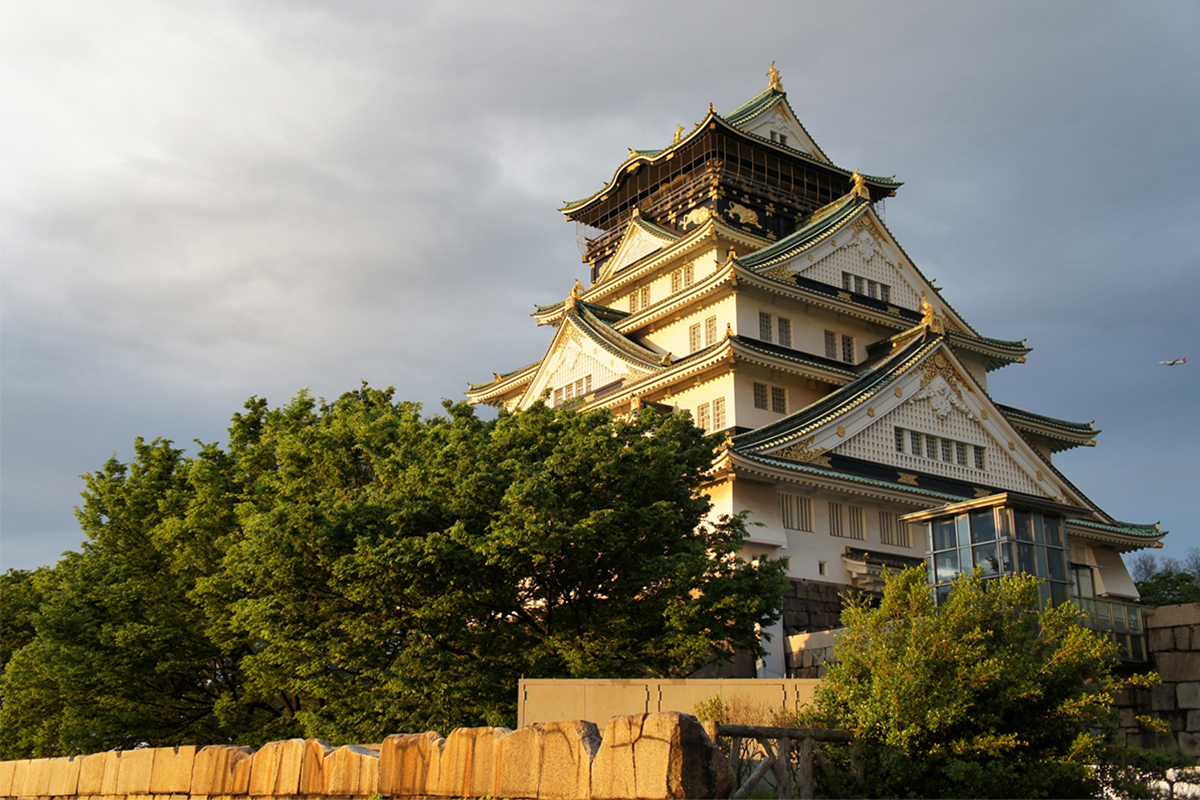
(217, 200)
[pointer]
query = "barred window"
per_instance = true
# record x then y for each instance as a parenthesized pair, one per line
(785, 331)
(689, 275)
(694, 337)
(718, 406)
(558, 397)
(710, 331)
(764, 326)
(778, 400)
(916, 442)
(645, 297)
(847, 281)
(835, 519)
(702, 416)
(857, 529)
(960, 453)
(873, 289)
(947, 455)
(760, 395)
(858, 285)
(899, 440)
(931, 447)
(892, 531)
(847, 349)
(885, 293)
(633, 303)
(796, 512)
(676, 281)
(830, 344)
(980, 459)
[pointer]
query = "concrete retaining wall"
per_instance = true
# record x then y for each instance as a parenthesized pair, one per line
(656, 756)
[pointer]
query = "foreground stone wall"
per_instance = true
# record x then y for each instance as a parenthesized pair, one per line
(655, 756)
(1173, 637)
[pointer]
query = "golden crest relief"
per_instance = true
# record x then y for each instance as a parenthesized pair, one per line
(799, 451)
(940, 367)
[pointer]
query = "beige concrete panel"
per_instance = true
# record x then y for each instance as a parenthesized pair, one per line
(20, 773)
(406, 761)
(172, 771)
(312, 767)
(112, 773)
(613, 770)
(352, 770)
(64, 777)
(276, 768)
(605, 699)
(520, 763)
(134, 775)
(548, 700)
(682, 695)
(7, 768)
(568, 749)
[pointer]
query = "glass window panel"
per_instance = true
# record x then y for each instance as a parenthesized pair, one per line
(983, 526)
(1025, 560)
(1135, 620)
(1118, 615)
(1039, 534)
(928, 537)
(1137, 648)
(1005, 517)
(985, 557)
(1006, 553)
(1053, 527)
(932, 571)
(964, 530)
(1043, 594)
(946, 566)
(1058, 593)
(942, 593)
(1041, 562)
(1023, 525)
(964, 559)
(1104, 616)
(943, 534)
(1055, 558)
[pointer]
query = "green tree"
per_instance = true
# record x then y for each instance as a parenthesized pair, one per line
(981, 696)
(1168, 581)
(351, 569)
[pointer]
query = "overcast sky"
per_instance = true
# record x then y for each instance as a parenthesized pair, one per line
(205, 201)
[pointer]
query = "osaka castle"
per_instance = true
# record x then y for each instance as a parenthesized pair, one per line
(742, 277)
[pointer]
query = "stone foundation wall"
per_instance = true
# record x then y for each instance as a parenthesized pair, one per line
(1173, 637)
(812, 606)
(658, 756)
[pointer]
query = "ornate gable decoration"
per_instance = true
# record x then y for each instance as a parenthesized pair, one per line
(804, 452)
(639, 241)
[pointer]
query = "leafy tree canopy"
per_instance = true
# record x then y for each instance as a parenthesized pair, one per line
(982, 696)
(350, 569)
(1168, 581)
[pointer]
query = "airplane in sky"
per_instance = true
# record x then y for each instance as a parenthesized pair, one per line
(1173, 363)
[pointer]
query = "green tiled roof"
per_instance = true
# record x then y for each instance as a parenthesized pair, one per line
(474, 387)
(754, 106)
(606, 313)
(1151, 531)
(811, 232)
(1081, 427)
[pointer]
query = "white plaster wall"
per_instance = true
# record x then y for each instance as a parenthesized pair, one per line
(674, 336)
(720, 386)
(800, 392)
(808, 324)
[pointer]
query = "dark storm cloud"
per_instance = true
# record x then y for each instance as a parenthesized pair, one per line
(212, 201)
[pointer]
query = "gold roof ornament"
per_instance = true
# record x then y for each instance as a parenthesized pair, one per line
(666, 360)
(860, 186)
(678, 135)
(773, 74)
(728, 330)
(576, 290)
(930, 317)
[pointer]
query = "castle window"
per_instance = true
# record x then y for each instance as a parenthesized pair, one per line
(916, 442)
(778, 400)
(689, 274)
(785, 331)
(873, 289)
(760, 395)
(892, 531)
(931, 446)
(847, 281)
(835, 519)
(645, 297)
(676, 281)
(703, 420)
(718, 407)
(857, 529)
(847, 349)
(858, 285)
(899, 440)
(710, 331)
(694, 337)
(960, 453)
(778, 137)
(633, 302)
(572, 390)
(796, 512)
(830, 344)
(980, 460)
(764, 326)
(885, 293)
(947, 454)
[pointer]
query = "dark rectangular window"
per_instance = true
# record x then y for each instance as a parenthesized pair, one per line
(760, 395)
(778, 400)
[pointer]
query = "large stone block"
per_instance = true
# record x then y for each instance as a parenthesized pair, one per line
(1161, 640)
(351, 771)
(312, 767)
(521, 763)
(656, 757)
(215, 771)
(275, 768)
(172, 770)
(1162, 697)
(568, 749)
(136, 768)
(20, 773)
(37, 779)
(407, 762)
(1189, 743)
(6, 777)
(468, 763)
(112, 772)
(1187, 695)
(1170, 616)
(1176, 667)
(91, 774)
(64, 777)
(1193, 722)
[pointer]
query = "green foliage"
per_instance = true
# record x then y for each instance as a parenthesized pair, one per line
(350, 569)
(979, 697)
(1169, 588)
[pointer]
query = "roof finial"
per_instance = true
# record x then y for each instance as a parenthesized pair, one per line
(728, 330)
(576, 290)
(678, 133)
(929, 316)
(711, 110)
(773, 74)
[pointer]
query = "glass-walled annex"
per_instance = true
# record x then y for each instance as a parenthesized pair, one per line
(1005, 534)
